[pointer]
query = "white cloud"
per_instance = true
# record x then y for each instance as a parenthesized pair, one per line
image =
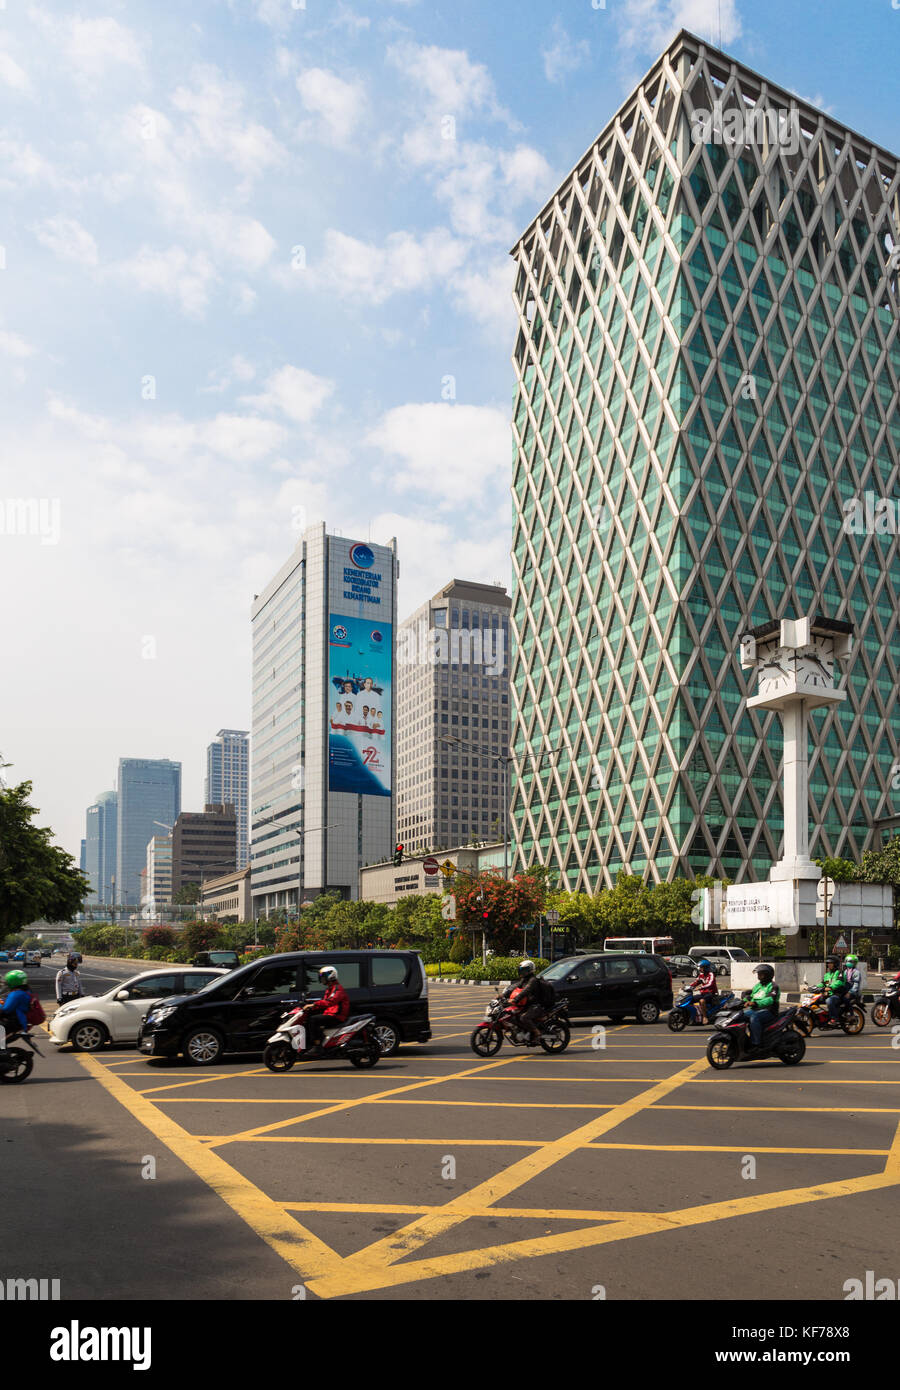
(67, 239)
(450, 452)
(487, 297)
(298, 394)
(90, 47)
(12, 75)
(563, 54)
(649, 25)
(216, 125)
(339, 104)
(370, 273)
(187, 277)
(12, 345)
(449, 80)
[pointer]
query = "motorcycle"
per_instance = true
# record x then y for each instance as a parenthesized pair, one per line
(502, 1021)
(686, 1011)
(887, 1005)
(354, 1040)
(15, 1063)
(730, 1042)
(813, 1013)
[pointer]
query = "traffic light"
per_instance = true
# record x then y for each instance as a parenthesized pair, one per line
(398, 856)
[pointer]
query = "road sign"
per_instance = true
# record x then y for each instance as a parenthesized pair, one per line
(448, 909)
(552, 917)
(430, 865)
(840, 947)
(448, 868)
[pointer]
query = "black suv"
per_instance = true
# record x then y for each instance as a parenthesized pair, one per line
(615, 984)
(238, 1012)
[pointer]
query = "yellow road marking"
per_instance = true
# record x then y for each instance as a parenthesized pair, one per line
(406, 1142)
(396, 1209)
(302, 1250)
(386, 1252)
(360, 1100)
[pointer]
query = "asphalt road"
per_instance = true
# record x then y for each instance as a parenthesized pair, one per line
(624, 1171)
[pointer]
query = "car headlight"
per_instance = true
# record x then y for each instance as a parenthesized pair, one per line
(157, 1014)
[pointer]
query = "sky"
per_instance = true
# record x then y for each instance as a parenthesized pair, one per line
(255, 274)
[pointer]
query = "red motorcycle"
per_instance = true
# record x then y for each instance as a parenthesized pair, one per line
(502, 1020)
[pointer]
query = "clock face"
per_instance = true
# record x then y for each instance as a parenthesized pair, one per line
(774, 676)
(815, 665)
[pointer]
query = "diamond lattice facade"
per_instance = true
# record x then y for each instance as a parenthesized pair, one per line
(707, 372)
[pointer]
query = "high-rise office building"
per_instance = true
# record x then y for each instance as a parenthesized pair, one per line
(228, 781)
(203, 845)
(159, 871)
(453, 717)
(100, 847)
(322, 755)
(149, 799)
(706, 429)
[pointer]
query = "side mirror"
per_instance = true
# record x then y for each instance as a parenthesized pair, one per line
(122, 994)
(247, 993)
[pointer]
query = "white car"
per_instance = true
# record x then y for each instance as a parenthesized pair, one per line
(93, 1021)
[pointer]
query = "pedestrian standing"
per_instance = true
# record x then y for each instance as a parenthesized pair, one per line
(68, 981)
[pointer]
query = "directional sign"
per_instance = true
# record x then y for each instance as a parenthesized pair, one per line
(448, 909)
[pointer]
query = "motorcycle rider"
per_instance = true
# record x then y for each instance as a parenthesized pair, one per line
(709, 989)
(328, 1012)
(835, 987)
(762, 1003)
(527, 1000)
(14, 1009)
(853, 978)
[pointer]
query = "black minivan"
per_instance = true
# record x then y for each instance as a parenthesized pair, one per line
(238, 1012)
(616, 984)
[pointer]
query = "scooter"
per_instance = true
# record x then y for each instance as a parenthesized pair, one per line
(887, 1005)
(813, 1013)
(354, 1040)
(15, 1063)
(686, 1011)
(730, 1042)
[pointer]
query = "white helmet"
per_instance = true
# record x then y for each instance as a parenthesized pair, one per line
(328, 972)
(526, 967)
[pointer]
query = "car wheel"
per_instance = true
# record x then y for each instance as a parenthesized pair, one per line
(88, 1036)
(648, 1011)
(202, 1047)
(388, 1038)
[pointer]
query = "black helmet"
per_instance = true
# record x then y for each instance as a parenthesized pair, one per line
(526, 967)
(72, 961)
(766, 973)
(831, 960)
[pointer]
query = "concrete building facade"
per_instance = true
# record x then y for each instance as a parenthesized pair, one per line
(322, 752)
(453, 716)
(203, 845)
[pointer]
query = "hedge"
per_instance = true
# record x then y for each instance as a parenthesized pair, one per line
(497, 968)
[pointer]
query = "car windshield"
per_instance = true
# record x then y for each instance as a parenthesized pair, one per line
(562, 967)
(738, 954)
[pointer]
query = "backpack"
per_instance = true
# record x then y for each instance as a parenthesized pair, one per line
(36, 1012)
(546, 993)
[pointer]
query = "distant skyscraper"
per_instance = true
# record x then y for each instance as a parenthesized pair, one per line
(159, 871)
(149, 799)
(202, 845)
(323, 718)
(453, 683)
(228, 781)
(100, 847)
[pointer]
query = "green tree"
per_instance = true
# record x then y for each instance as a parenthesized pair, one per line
(38, 880)
(199, 935)
(159, 936)
(497, 906)
(841, 870)
(188, 894)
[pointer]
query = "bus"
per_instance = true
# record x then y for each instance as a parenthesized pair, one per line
(650, 945)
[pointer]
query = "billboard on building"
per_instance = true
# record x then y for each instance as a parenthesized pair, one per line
(360, 696)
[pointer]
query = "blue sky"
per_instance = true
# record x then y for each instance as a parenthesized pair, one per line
(246, 246)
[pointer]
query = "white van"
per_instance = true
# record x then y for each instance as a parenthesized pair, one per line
(719, 957)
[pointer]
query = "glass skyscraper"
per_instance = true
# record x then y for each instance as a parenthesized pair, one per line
(149, 799)
(228, 781)
(705, 422)
(100, 847)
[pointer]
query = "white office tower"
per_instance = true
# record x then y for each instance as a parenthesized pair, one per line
(322, 759)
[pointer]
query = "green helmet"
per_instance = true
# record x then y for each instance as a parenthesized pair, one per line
(16, 979)
(851, 960)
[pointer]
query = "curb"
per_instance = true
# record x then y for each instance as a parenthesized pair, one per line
(452, 980)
